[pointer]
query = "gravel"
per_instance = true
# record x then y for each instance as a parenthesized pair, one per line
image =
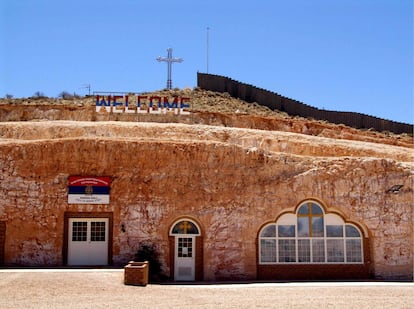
(63, 288)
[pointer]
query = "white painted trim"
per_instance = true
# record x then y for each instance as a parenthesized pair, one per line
(184, 219)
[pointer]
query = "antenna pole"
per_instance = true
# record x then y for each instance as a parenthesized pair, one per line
(208, 32)
(87, 86)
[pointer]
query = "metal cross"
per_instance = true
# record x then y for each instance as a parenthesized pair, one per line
(185, 226)
(169, 59)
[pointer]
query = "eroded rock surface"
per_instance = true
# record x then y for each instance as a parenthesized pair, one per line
(232, 180)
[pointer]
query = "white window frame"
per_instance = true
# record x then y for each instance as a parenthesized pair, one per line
(171, 233)
(328, 219)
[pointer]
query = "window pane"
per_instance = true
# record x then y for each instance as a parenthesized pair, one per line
(287, 250)
(303, 210)
(353, 250)
(352, 231)
(97, 231)
(318, 251)
(303, 227)
(316, 210)
(185, 227)
(185, 247)
(269, 231)
(317, 227)
(304, 250)
(310, 239)
(79, 231)
(334, 231)
(286, 230)
(267, 250)
(335, 250)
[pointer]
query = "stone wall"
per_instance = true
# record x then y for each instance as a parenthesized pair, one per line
(232, 181)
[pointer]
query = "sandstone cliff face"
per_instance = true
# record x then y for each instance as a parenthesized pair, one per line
(231, 180)
(207, 108)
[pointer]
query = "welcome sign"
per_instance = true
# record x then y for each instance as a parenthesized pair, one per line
(142, 104)
(88, 190)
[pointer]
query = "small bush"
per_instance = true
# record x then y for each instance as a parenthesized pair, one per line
(39, 95)
(147, 252)
(65, 95)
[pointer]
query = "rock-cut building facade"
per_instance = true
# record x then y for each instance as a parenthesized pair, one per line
(216, 203)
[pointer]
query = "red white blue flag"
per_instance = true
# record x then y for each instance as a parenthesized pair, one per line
(88, 190)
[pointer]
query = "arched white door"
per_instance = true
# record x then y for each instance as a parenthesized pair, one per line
(184, 232)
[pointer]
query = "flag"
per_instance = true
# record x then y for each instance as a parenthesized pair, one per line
(88, 190)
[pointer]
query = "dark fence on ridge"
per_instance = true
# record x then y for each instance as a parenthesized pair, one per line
(275, 101)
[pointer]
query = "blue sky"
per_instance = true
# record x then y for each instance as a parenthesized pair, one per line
(346, 55)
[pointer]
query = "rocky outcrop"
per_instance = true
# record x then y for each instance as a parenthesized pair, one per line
(232, 180)
(207, 108)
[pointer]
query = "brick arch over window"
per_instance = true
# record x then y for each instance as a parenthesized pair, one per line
(311, 243)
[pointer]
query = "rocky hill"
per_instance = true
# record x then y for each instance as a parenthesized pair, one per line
(232, 165)
(207, 107)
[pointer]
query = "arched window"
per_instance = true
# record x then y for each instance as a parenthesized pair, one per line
(185, 227)
(310, 236)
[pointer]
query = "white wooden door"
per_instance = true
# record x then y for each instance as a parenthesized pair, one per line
(88, 241)
(184, 269)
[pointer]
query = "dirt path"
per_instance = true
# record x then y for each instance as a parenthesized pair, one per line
(105, 289)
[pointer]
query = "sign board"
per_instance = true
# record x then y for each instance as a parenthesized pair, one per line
(88, 190)
(142, 104)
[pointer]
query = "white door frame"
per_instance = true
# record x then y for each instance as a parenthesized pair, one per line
(185, 232)
(88, 242)
(184, 258)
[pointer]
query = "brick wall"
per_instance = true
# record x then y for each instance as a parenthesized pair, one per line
(136, 273)
(2, 240)
(312, 272)
(199, 263)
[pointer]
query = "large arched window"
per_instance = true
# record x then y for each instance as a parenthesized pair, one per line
(310, 236)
